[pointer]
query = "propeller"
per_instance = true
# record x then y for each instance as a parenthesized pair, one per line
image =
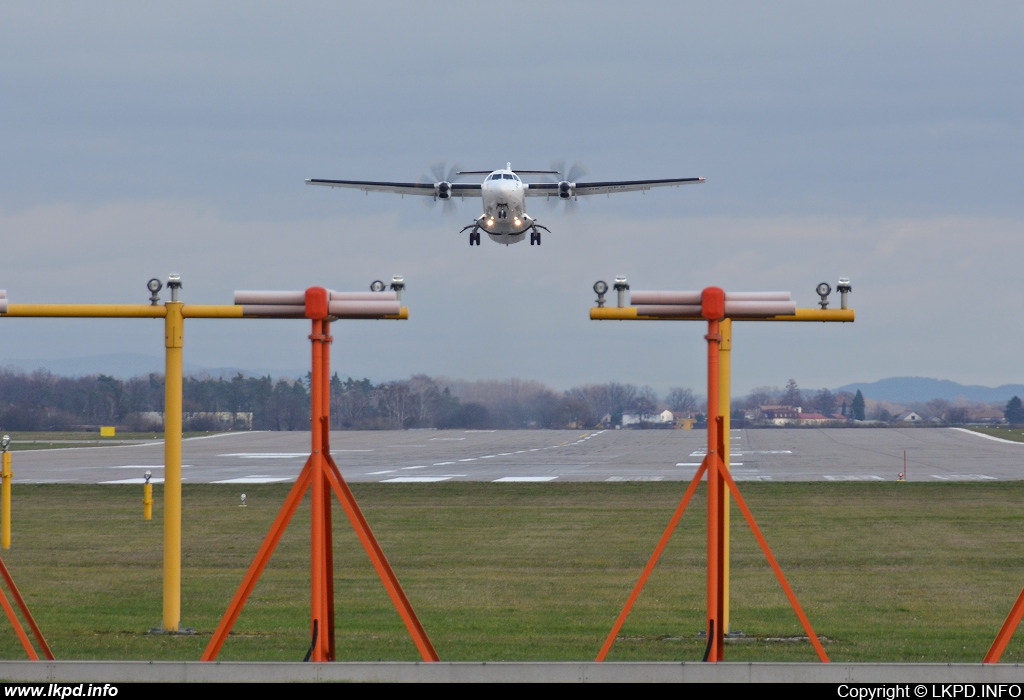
(442, 181)
(566, 179)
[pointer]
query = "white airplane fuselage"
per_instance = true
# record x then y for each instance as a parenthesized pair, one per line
(504, 203)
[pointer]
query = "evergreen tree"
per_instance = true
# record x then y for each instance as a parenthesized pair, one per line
(857, 406)
(1014, 411)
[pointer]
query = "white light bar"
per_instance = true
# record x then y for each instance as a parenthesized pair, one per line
(688, 304)
(3, 301)
(272, 304)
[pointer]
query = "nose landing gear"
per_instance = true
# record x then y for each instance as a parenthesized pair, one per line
(535, 233)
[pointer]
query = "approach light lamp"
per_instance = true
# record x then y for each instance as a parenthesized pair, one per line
(154, 286)
(376, 286)
(243, 499)
(397, 285)
(600, 288)
(823, 291)
(843, 288)
(621, 286)
(174, 284)
(5, 442)
(148, 475)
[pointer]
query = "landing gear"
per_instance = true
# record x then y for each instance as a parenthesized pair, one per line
(474, 238)
(534, 237)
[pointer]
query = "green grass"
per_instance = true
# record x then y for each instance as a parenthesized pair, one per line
(887, 572)
(1015, 434)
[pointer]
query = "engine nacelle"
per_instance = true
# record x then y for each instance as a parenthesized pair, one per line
(566, 189)
(443, 190)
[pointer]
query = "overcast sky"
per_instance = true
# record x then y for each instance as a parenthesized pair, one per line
(883, 141)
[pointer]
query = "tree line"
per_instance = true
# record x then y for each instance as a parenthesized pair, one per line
(44, 401)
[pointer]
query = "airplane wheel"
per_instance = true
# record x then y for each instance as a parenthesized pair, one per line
(538, 237)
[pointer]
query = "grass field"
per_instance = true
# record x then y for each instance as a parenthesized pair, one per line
(887, 571)
(1015, 434)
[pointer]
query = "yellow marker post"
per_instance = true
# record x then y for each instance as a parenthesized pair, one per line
(6, 474)
(147, 498)
(107, 431)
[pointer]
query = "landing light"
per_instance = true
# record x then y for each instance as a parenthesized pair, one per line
(490, 222)
(517, 222)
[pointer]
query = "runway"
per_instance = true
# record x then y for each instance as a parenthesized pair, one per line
(518, 456)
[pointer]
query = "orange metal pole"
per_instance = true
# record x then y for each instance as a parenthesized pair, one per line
(713, 309)
(995, 652)
(775, 566)
(6, 604)
(259, 563)
(318, 607)
(646, 573)
(380, 562)
(25, 611)
(328, 525)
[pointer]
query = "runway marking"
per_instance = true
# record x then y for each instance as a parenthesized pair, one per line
(635, 478)
(519, 452)
(441, 464)
(507, 479)
(688, 464)
(964, 477)
(386, 471)
(535, 449)
(470, 459)
(480, 431)
(504, 454)
(423, 466)
(254, 480)
(139, 480)
(762, 477)
(415, 479)
(488, 456)
(447, 439)
(339, 451)
(853, 477)
(140, 466)
(266, 455)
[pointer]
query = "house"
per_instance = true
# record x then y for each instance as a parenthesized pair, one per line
(908, 417)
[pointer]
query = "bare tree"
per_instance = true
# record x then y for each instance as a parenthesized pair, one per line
(681, 400)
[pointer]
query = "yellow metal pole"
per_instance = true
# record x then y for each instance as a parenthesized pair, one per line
(174, 340)
(6, 474)
(724, 409)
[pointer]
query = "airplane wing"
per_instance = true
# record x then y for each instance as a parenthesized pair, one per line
(581, 188)
(423, 189)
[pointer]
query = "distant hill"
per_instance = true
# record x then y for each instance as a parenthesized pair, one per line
(903, 389)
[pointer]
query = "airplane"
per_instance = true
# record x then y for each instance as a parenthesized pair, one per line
(504, 194)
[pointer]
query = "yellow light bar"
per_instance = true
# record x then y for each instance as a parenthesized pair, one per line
(86, 310)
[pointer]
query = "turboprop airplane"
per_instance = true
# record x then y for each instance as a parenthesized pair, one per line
(504, 195)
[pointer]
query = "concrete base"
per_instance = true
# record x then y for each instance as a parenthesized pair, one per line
(502, 672)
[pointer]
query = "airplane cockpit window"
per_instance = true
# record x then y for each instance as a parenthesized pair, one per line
(506, 176)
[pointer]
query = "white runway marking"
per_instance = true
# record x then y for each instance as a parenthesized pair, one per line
(507, 479)
(140, 466)
(441, 464)
(853, 477)
(470, 459)
(419, 467)
(140, 480)
(254, 480)
(964, 477)
(447, 439)
(688, 464)
(415, 479)
(386, 471)
(635, 478)
(988, 437)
